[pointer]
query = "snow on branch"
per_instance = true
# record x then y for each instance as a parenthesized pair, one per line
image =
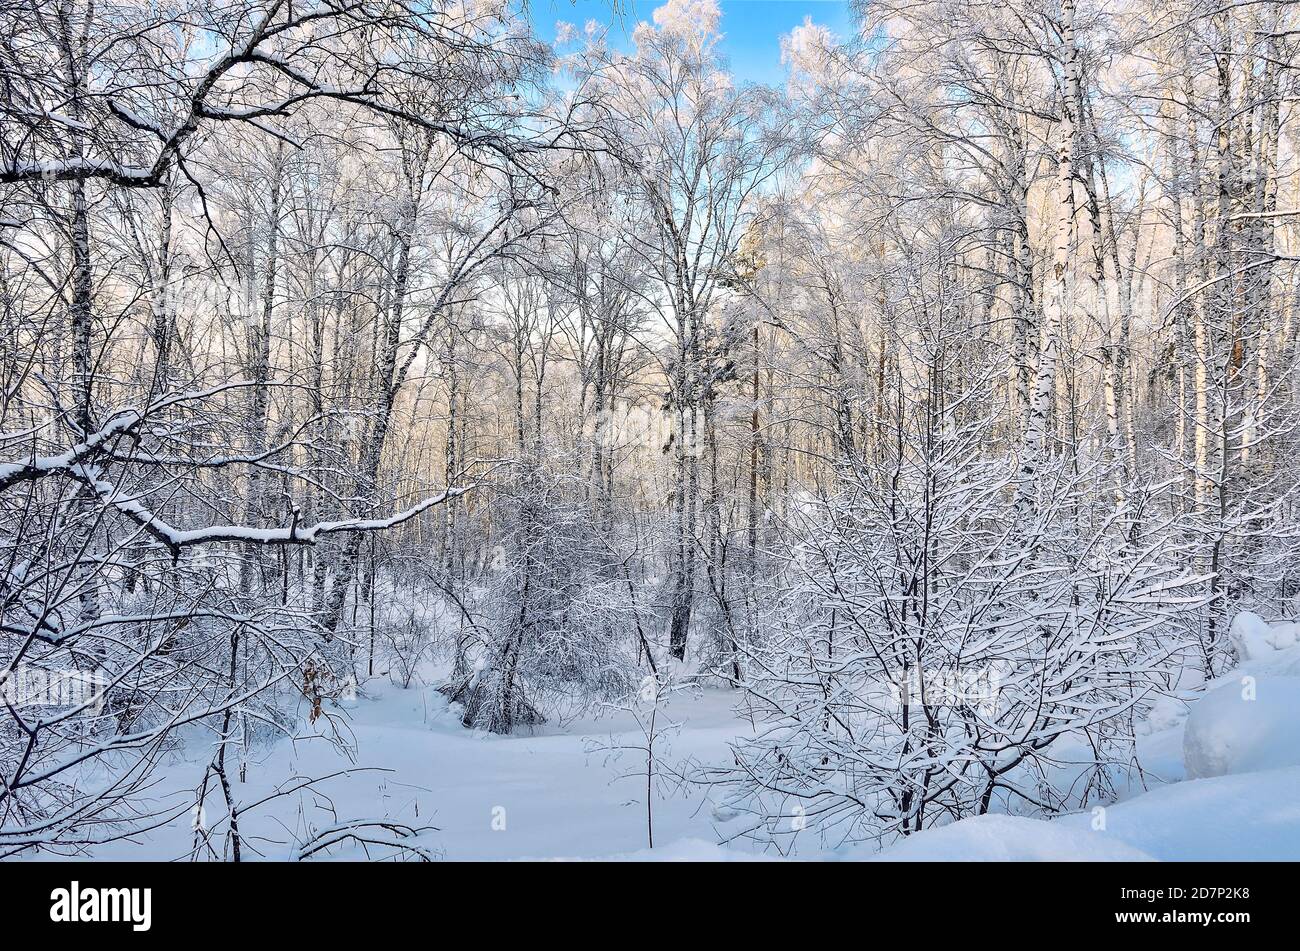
(294, 534)
(121, 423)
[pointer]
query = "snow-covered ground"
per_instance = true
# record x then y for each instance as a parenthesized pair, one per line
(560, 793)
(557, 793)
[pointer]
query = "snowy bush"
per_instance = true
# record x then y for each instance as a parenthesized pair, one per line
(917, 681)
(944, 627)
(551, 619)
(407, 627)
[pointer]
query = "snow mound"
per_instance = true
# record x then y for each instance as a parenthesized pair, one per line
(995, 838)
(1252, 816)
(1230, 818)
(1277, 663)
(1244, 726)
(1253, 638)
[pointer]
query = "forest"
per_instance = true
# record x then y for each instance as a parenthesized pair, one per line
(926, 421)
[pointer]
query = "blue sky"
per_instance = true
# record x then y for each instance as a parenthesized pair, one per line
(752, 28)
